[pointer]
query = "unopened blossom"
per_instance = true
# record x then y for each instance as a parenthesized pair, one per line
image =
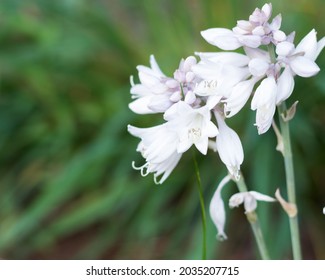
(252, 33)
(193, 126)
(229, 147)
(249, 199)
(187, 80)
(158, 146)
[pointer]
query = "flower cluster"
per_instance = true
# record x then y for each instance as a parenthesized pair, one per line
(201, 95)
(187, 102)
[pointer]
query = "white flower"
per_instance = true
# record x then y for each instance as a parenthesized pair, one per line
(217, 209)
(249, 199)
(193, 126)
(158, 146)
(154, 92)
(229, 147)
(301, 59)
(285, 85)
(298, 60)
(264, 102)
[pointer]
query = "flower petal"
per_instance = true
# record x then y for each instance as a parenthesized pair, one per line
(304, 67)
(284, 48)
(222, 38)
(267, 9)
(265, 93)
(202, 145)
(213, 100)
(276, 22)
(285, 85)
(251, 41)
(238, 97)
(279, 36)
(236, 199)
(258, 67)
(320, 46)
(264, 117)
(229, 147)
(262, 197)
(155, 67)
(140, 106)
(250, 203)
(159, 103)
(232, 58)
(264, 103)
(257, 53)
(308, 45)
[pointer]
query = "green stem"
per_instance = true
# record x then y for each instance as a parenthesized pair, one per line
(290, 180)
(271, 50)
(201, 197)
(255, 225)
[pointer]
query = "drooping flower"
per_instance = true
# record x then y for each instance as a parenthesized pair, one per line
(229, 147)
(264, 102)
(158, 146)
(217, 209)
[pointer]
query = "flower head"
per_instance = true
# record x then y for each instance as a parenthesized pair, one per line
(250, 33)
(156, 92)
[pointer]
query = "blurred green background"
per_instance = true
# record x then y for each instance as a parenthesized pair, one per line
(67, 189)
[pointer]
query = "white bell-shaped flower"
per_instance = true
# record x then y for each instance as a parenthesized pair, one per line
(193, 126)
(264, 102)
(158, 146)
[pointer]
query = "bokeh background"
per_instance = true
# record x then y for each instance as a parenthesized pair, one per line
(67, 189)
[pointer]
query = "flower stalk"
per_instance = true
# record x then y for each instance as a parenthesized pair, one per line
(290, 180)
(254, 223)
(203, 215)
